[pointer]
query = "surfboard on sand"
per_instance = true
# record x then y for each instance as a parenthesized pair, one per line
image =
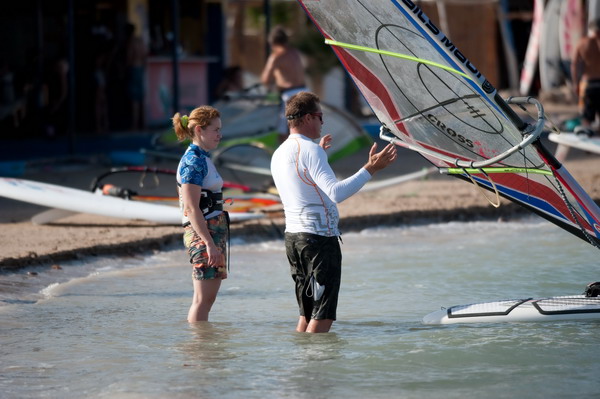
(533, 47)
(574, 307)
(508, 43)
(571, 29)
(80, 201)
(579, 141)
(551, 70)
(593, 10)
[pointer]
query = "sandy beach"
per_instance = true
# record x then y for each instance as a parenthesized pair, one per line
(434, 199)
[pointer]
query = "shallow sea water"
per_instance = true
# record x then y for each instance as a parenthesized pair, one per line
(116, 328)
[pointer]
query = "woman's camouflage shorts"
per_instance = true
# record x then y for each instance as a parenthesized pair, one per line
(219, 230)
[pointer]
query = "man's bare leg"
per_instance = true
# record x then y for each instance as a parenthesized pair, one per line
(319, 326)
(302, 324)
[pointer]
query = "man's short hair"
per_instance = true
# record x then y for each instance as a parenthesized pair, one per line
(299, 105)
(594, 25)
(278, 36)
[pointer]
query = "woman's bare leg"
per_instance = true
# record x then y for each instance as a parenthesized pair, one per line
(205, 293)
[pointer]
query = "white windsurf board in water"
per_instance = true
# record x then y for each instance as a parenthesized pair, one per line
(81, 201)
(558, 308)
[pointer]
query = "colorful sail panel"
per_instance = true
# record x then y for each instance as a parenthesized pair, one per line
(430, 96)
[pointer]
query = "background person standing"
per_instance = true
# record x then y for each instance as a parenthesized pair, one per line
(585, 70)
(285, 69)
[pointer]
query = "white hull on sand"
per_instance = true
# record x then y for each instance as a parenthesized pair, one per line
(81, 201)
(579, 141)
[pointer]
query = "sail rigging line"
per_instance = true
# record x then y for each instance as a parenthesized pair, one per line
(574, 213)
(497, 203)
(558, 186)
(563, 178)
(576, 216)
(527, 176)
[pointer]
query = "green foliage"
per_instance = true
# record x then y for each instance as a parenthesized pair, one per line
(281, 14)
(321, 57)
(255, 17)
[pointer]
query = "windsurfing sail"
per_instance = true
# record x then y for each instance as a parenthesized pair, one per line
(433, 100)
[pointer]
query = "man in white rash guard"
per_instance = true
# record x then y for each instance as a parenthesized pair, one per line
(309, 192)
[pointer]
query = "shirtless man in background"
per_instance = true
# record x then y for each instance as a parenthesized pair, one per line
(585, 70)
(285, 69)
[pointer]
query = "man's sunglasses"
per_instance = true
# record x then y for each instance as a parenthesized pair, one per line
(319, 114)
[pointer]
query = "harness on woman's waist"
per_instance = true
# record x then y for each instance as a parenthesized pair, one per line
(210, 202)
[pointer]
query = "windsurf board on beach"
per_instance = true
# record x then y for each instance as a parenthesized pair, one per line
(533, 47)
(80, 201)
(508, 43)
(574, 307)
(571, 28)
(593, 10)
(551, 70)
(579, 141)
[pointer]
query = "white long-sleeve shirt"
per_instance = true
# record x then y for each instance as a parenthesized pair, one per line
(308, 187)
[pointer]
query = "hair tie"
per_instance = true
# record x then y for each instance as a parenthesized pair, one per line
(184, 121)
